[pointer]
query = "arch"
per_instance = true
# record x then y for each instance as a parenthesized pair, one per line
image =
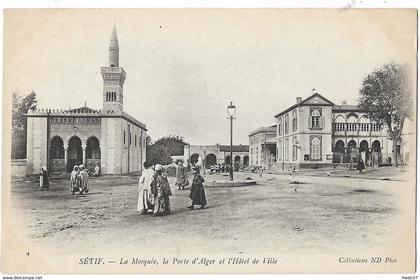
(364, 146)
(339, 146)
(339, 119)
(93, 150)
(194, 158)
(246, 161)
(352, 116)
(237, 159)
(211, 159)
(376, 152)
(339, 152)
(315, 113)
(315, 148)
(376, 146)
(56, 148)
(75, 152)
(352, 119)
(227, 160)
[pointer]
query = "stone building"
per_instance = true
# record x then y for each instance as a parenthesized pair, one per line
(212, 154)
(262, 146)
(110, 138)
(315, 132)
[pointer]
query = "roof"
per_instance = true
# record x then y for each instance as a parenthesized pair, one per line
(343, 108)
(84, 112)
(272, 129)
(301, 103)
(83, 109)
(235, 148)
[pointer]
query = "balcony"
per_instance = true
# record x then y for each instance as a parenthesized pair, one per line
(357, 129)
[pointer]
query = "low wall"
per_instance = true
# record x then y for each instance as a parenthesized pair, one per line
(18, 168)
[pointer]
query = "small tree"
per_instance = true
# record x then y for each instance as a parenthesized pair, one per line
(174, 143)
(386, 96)
(20, 106)
(157, 154)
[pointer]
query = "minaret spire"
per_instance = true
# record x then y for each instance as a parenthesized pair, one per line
(114, 49)
(114, 77)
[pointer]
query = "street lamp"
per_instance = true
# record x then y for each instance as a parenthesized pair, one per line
(231, 110)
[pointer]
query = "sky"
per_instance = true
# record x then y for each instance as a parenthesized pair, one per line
(185, 66)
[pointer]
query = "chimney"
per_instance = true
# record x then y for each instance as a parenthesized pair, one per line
(344, 102)
(298, 100)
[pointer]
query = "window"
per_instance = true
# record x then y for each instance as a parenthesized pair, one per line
(294, 142)
(315, 148)
(135, 140)
(315, 116)
(286, 149)
(280, 126)
(294, 120)
(286, 124)
(124, 137)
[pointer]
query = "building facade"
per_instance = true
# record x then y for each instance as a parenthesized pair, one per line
(262, 146)
(109, 138)
(216, 154)
(316, 133)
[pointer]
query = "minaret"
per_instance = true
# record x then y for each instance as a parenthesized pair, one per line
(114, 49)
(114, 77)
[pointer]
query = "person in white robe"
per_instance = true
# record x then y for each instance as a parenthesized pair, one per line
(145, 199)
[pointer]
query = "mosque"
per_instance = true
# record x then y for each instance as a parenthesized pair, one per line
(109, 138)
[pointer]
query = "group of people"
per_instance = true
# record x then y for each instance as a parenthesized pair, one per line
(219, 168)
(79, 180)
(154, 190)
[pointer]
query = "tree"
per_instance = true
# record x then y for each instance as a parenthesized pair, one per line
(20, 106)
(386, 97)
(157, 154)
(174, 143)
(162, 149)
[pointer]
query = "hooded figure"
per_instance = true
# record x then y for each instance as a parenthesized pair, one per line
(145, 199)
(181, 177)
(74, 180)
(83, 179)
(197, 194)
(161, 192)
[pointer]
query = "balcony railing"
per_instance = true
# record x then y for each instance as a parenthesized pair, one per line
(354, 127)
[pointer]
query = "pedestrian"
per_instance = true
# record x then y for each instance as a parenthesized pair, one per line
(83, 179)
(44, 184)
(181, 177)
(74, 180)
(161, 191)
(360, 165)
(41, 179)
(197, 194)
(145, 199)
(96, 170)
(261, 171)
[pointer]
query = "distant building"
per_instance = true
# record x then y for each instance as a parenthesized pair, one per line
(215, 154)
(315, 132)
(110, 138)
(262, 146)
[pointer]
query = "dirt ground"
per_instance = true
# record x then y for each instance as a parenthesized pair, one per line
(303, 213)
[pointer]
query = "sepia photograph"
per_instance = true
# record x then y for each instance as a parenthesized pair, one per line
(150, 141)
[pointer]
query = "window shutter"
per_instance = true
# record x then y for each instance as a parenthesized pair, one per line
(322, 122)
(309, 122)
